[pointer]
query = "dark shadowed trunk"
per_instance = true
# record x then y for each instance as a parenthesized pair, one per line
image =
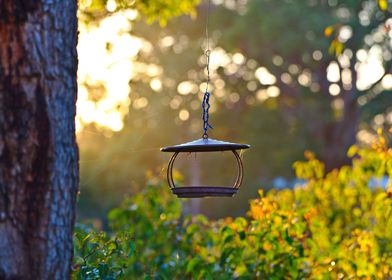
(339, 135)
(38, 152)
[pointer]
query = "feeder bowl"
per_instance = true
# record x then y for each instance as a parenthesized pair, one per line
(205, 145)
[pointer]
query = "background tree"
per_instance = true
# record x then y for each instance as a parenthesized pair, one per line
(325, 56)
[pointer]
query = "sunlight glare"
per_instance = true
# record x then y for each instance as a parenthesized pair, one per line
(333, 72)
(264, 76)
(371, 69)
(106, 59)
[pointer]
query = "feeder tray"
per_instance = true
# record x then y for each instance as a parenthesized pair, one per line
(205, 145)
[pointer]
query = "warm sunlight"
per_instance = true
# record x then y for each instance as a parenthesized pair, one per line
(107, 52)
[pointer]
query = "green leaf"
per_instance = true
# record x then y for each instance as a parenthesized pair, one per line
(192, 264)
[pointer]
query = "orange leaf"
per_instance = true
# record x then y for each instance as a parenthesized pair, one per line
(328, 31)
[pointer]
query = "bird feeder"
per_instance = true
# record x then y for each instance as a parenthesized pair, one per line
(205, 145)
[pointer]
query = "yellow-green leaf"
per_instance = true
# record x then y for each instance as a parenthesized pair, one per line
(332, 47)
(339, 48)
(383, 4)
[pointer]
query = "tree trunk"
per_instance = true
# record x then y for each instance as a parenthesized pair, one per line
(38, 151)
(341, 134)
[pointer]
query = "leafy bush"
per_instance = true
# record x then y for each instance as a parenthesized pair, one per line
(334, 226)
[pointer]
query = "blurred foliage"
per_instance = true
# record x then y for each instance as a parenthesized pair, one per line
(298, 44)
(291, 39)
(153, 10)
(336, 225)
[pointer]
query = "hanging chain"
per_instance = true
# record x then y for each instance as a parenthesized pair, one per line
(206, 100)
(206, 106)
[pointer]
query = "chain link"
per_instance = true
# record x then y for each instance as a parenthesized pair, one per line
(206, 106)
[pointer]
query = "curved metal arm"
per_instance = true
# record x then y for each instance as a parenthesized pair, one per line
(170, 171)
(240, 175)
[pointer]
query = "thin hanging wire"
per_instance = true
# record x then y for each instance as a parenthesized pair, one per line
(206, 100)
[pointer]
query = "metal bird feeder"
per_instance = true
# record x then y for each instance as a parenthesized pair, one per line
(203, 145)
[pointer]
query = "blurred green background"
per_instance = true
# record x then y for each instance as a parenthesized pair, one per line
(287, 76)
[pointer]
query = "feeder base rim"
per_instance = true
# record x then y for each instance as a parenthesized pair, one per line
(204, 191)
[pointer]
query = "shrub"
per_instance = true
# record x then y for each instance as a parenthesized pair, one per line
(333, 226)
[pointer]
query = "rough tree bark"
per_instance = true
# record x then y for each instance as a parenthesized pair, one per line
(38, 151)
